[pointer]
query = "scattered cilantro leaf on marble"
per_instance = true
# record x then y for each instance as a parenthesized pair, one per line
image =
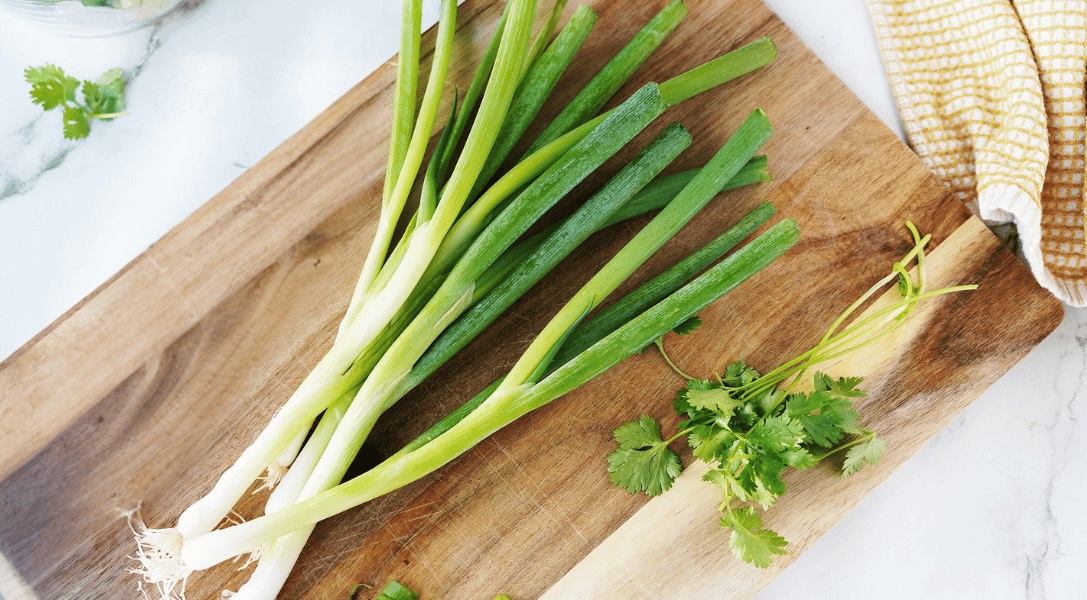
(102, 99)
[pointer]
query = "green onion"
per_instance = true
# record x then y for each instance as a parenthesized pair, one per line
(502, 407)
(659, 287)
(454, 295)
(464, 258)
(335, 374)
(411, 158)
(407, 75)
(752, 134)
(510, 396)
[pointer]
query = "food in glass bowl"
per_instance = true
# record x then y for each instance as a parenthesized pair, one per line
(90, 18)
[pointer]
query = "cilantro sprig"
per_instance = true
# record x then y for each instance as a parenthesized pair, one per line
(103, 98)
(749, 435)
(750, 427)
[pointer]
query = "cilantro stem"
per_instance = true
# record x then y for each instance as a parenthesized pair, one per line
(864, 437)
(861, 333)
(105, 116)
(659, 343)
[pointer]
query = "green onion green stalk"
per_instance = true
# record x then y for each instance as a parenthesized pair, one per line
(466, 255)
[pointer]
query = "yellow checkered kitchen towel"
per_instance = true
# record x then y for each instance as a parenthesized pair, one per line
(991, 95)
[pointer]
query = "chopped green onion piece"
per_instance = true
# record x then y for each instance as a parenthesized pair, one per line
(395, 591)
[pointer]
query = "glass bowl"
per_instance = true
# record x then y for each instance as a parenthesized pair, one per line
(90, 18)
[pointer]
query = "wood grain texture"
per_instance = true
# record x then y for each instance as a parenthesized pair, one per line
(151, 386)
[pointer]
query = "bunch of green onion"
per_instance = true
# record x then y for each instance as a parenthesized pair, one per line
(465, 256)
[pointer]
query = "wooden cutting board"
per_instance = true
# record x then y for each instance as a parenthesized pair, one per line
(147, 389)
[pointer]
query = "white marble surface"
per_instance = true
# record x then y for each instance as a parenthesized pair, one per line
(987, 510)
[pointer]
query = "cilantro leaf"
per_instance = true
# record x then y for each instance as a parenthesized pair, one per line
(651, 470)
(748, 431)
(763, 403)
(711, 442)
(774, 434)
(714, 399)
(870, 451)
(821, 416)
(643, 462)
(729, 486)
(799, 458)
(103, 99)
(105, 96)
(768, 469)
(719, 478)
(682, 405)
(826, 413)
(644, 432)
(749, 541)
(76, 123)
(738, 374)
(688, 326)
(845, 387)
(49, 86)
